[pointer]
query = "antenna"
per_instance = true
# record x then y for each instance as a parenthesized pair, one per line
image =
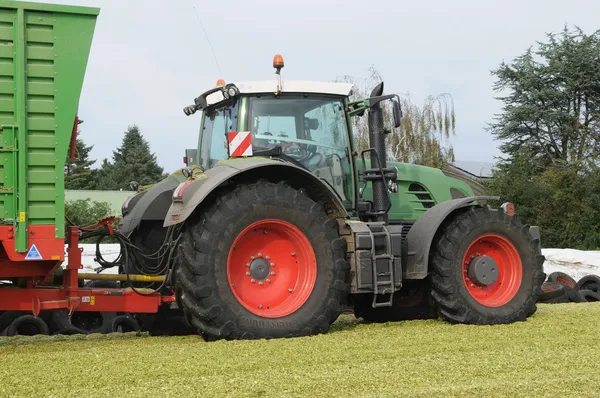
(208, 40)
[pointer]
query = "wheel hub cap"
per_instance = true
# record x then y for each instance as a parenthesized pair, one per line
(271, 268)
(492, 270)
(483, 270)
(259, 268)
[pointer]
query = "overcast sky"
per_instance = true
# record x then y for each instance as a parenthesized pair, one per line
(150, 58)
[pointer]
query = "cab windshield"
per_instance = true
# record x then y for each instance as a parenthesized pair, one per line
(310, 129)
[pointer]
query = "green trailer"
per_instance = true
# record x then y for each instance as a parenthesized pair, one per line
(44, 51)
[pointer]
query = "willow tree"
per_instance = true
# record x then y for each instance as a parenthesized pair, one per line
(424, 134)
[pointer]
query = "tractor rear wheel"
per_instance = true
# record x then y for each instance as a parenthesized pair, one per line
(262, 260)
(487, 268)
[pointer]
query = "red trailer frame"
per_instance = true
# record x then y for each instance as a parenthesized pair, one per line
(36, 297)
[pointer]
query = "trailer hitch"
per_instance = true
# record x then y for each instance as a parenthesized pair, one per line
(105, 222)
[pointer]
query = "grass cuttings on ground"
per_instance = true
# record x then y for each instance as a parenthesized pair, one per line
(554, 353)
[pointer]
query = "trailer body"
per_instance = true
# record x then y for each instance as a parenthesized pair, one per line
(44, 50)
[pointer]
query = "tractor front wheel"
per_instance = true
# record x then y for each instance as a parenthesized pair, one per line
(261, 261)
(486, 268)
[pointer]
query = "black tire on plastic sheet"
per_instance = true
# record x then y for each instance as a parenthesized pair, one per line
(554, 293)
(202, 283)
(563, 279)
(551, 290)
(453, 301)
(27, 325)
(589, 282)
(589, 295)
(573, 295)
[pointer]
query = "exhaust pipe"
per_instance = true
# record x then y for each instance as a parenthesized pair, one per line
(377, 134)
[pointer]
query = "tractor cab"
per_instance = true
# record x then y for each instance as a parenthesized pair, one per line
(301, 122)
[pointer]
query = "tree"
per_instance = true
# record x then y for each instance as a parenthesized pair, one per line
(552, 100)
(132, 161)
(563, 202)
(549, 128)
(80, 175)
(105, 181)
(82, 212)
(424, 134)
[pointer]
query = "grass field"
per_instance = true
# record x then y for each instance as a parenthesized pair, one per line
(554, 353)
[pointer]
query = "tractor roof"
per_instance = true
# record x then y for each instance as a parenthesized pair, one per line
(295, 86)
(288, 86)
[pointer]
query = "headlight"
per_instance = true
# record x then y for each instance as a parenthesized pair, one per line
(187, 172)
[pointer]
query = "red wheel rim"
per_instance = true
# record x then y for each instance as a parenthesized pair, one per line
(271, 268)
(510, 272)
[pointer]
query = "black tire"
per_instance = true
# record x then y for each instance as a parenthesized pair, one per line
(27, 325)
(81, 322)
(449, 290)
(551, 290)
(124, 324)
(84, 322)
(553, 293)
(7, 317)
(589, 282)
(589, 295)
(410, 303)
(574, 295)
(202, 279)
(563, 279)
(557, 292)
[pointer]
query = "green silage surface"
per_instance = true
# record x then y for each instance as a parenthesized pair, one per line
(554, 353)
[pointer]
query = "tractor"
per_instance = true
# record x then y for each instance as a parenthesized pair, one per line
(277, 222)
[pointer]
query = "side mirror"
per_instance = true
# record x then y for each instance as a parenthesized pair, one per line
(397, 113)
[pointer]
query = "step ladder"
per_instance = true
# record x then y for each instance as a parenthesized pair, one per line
(383, 282)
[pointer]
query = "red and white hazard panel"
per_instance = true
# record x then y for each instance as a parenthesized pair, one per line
(240, 143)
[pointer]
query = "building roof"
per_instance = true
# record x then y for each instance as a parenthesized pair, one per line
(475, 169)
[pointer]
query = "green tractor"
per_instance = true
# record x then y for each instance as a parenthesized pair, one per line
(281, 223)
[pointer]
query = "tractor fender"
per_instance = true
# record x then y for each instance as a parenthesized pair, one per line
(240, 170)
(152, 204)
(419, 238)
